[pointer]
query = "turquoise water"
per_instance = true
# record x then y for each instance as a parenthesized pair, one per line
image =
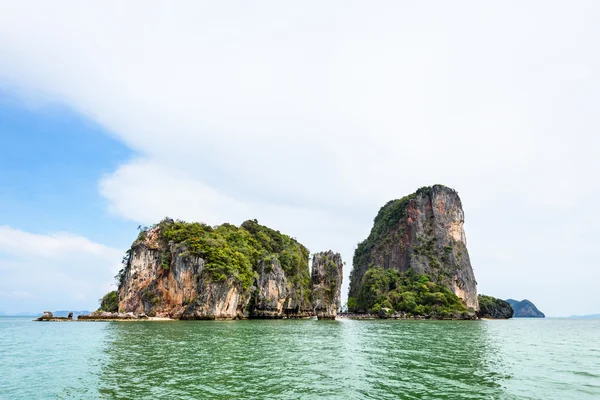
(302, 359)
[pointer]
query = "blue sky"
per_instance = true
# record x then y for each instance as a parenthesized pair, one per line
(51, 160)
(306, 117)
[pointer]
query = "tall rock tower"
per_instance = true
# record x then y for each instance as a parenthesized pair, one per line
(327, 273)
(423, 232)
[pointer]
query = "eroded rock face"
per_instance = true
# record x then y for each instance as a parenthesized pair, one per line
(216, 300)
(168, 280)
(181, 290)
(275, 296)
(271, 291)
(326, 276)
(423, 231)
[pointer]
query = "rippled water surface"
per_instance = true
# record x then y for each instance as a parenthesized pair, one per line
(304, 359)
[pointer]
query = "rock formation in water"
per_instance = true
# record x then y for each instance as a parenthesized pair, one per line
(422, 233)
(194, 271)
(100, 315)
(491, 307)
(525, 309)
(326, 276)
(49, 316)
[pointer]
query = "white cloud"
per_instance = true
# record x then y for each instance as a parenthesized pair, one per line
(53, 271)
(54, 246)
(145, 192)
(309, 117)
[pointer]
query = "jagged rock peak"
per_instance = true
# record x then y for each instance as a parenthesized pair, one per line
(327, 274)
(422, 232)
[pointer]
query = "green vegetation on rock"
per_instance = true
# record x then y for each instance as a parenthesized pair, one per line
(423, 234)
(491, 307)
(387, 217)
(386, 220)
(409, 292)
(232, 252)
(110, 302)
(292, 256)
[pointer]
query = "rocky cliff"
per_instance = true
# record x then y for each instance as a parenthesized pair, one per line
(194, 271)
(422, 233)
(525, 309)
(326, 276)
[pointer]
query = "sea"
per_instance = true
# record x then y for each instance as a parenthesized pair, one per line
(300, 359)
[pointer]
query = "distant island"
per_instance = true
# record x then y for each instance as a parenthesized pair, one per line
(58, 313)
(525, 309)
(588, 316)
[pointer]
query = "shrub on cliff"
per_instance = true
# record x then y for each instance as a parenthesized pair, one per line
(232, 252)
(110, 302)
(409, 292)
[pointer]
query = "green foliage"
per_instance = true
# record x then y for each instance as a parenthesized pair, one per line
(151, 296)
(491, 307)
(110, 302)
(120, 276)
(232, 252)
(352, 304)
(165, 260)
(408, 292)
(292, 256)
(125, 262)
(143, 230)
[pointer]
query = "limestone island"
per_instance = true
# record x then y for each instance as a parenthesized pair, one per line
(525, 309)
(193, 271)
(413, 265)
(415, 262)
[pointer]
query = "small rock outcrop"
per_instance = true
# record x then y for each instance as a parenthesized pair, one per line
(423, 234)
(525, 309)
(491, 307)
(49, 316)
(100, 315)
(326, 276)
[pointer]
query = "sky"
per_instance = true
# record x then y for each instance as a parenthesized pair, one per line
(307, 116)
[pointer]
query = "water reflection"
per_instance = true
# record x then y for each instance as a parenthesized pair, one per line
(303, 359)
(433, 359)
